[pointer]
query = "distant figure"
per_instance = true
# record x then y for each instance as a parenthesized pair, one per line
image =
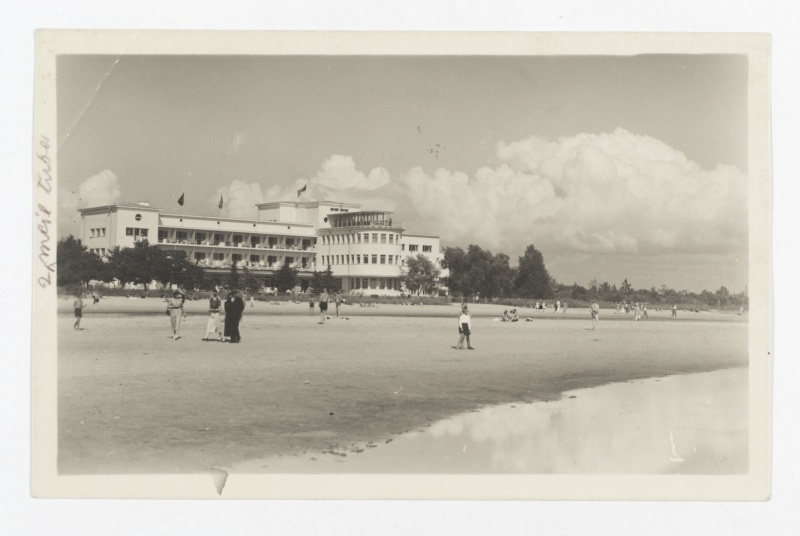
(95, 298)
(234, 307)
(512, 316)
(214, 310)
(536, 307)
(644, 310)
(505, 316)
(338, 302)
(595, 310)
(464, 329)
(176, 312)
(323, 305)
(637, 312)
(674, 312)
(252, 300)
(564, 308)
(558, 306)
(310, 303)
(741, 310)
(78, 306)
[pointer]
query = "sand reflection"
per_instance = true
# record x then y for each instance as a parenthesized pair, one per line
(686, 424)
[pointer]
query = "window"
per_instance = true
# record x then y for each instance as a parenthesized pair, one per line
(236, 257)
(91, 232)
(358, 259)
(374, 238)
(182, 235)
(374, 259)
(290, 260)
(413, 247)
(391, 259)
(403, 247)
(383, 259)
(366, 238)
(271, 260)
(365, 283)
(199, 256)
(391, 239)
(255, 258)
(383, 238)
(219, 256)
(426, 249)
(219, 238)
(304, 262)
(136, 231)
(237, 238)
(358, 237)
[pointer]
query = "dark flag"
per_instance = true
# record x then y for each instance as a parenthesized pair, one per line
(301, 190)
(220, 202)
(180, 200)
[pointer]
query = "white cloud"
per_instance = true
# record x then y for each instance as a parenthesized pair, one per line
(613, 193)
(97, 190)
(239, 200)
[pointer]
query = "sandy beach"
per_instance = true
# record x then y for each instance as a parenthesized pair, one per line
(132, 400)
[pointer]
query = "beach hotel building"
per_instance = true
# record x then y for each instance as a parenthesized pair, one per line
(366, 250)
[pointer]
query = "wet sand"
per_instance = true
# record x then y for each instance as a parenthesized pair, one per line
(132, 400)
(687, 424)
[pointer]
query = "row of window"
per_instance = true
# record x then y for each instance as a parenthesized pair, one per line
(136, 231)
(340, 210)
(414, 247)
(270, 260)
(98, 232)
(99, 251)
(362, 238)
(389, 283)
(360, 259)
(228, 239)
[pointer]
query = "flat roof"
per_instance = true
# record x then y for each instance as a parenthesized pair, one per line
(119, 205)
(306, 203)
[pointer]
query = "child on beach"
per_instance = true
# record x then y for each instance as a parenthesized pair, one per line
(323, 305)
(310, 303)
(464, 329)
(338, 301)
(78, 306)
(595, 310)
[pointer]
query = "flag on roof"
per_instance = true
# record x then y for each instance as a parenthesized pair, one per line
(180, 200)
(220, 202)
(301, 190)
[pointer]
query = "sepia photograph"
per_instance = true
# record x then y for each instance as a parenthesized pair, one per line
(334, 261)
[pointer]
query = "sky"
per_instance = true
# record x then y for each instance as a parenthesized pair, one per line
(614, 167)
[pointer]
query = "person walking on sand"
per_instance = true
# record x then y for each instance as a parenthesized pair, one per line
(674, 312)
(78, 306)
(637, 311)
(234, 306)
(595, 310)
(214, 309)
(338, 301)
(323, 305)
(252, 300)
(644, 310)
(558, 306)
(464, 329)
(176, 313)
(310, 303)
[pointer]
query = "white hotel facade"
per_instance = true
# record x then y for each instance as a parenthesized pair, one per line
(366, 250)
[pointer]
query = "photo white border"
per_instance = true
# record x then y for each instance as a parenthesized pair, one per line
(754, 486)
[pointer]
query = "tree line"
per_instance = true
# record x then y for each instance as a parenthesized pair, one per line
(144, 264)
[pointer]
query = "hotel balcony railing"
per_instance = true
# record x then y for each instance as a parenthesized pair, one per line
(228, 244)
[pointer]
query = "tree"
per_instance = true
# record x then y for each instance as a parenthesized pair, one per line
(420, 275)
(285, 278)
(533, 281)
(626, 287)
(233, 280)
(135, 265)
(75, 263)
(175, 267)
(251, 282)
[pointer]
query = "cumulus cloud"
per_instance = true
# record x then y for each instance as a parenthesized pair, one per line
(97, 190)
(614, 193)
(239, 200)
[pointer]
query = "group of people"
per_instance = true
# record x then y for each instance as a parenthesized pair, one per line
(323, 299)
(510, 316)
(227, 331)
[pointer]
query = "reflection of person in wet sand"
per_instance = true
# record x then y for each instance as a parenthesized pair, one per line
(464, 329)
(595, 310)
